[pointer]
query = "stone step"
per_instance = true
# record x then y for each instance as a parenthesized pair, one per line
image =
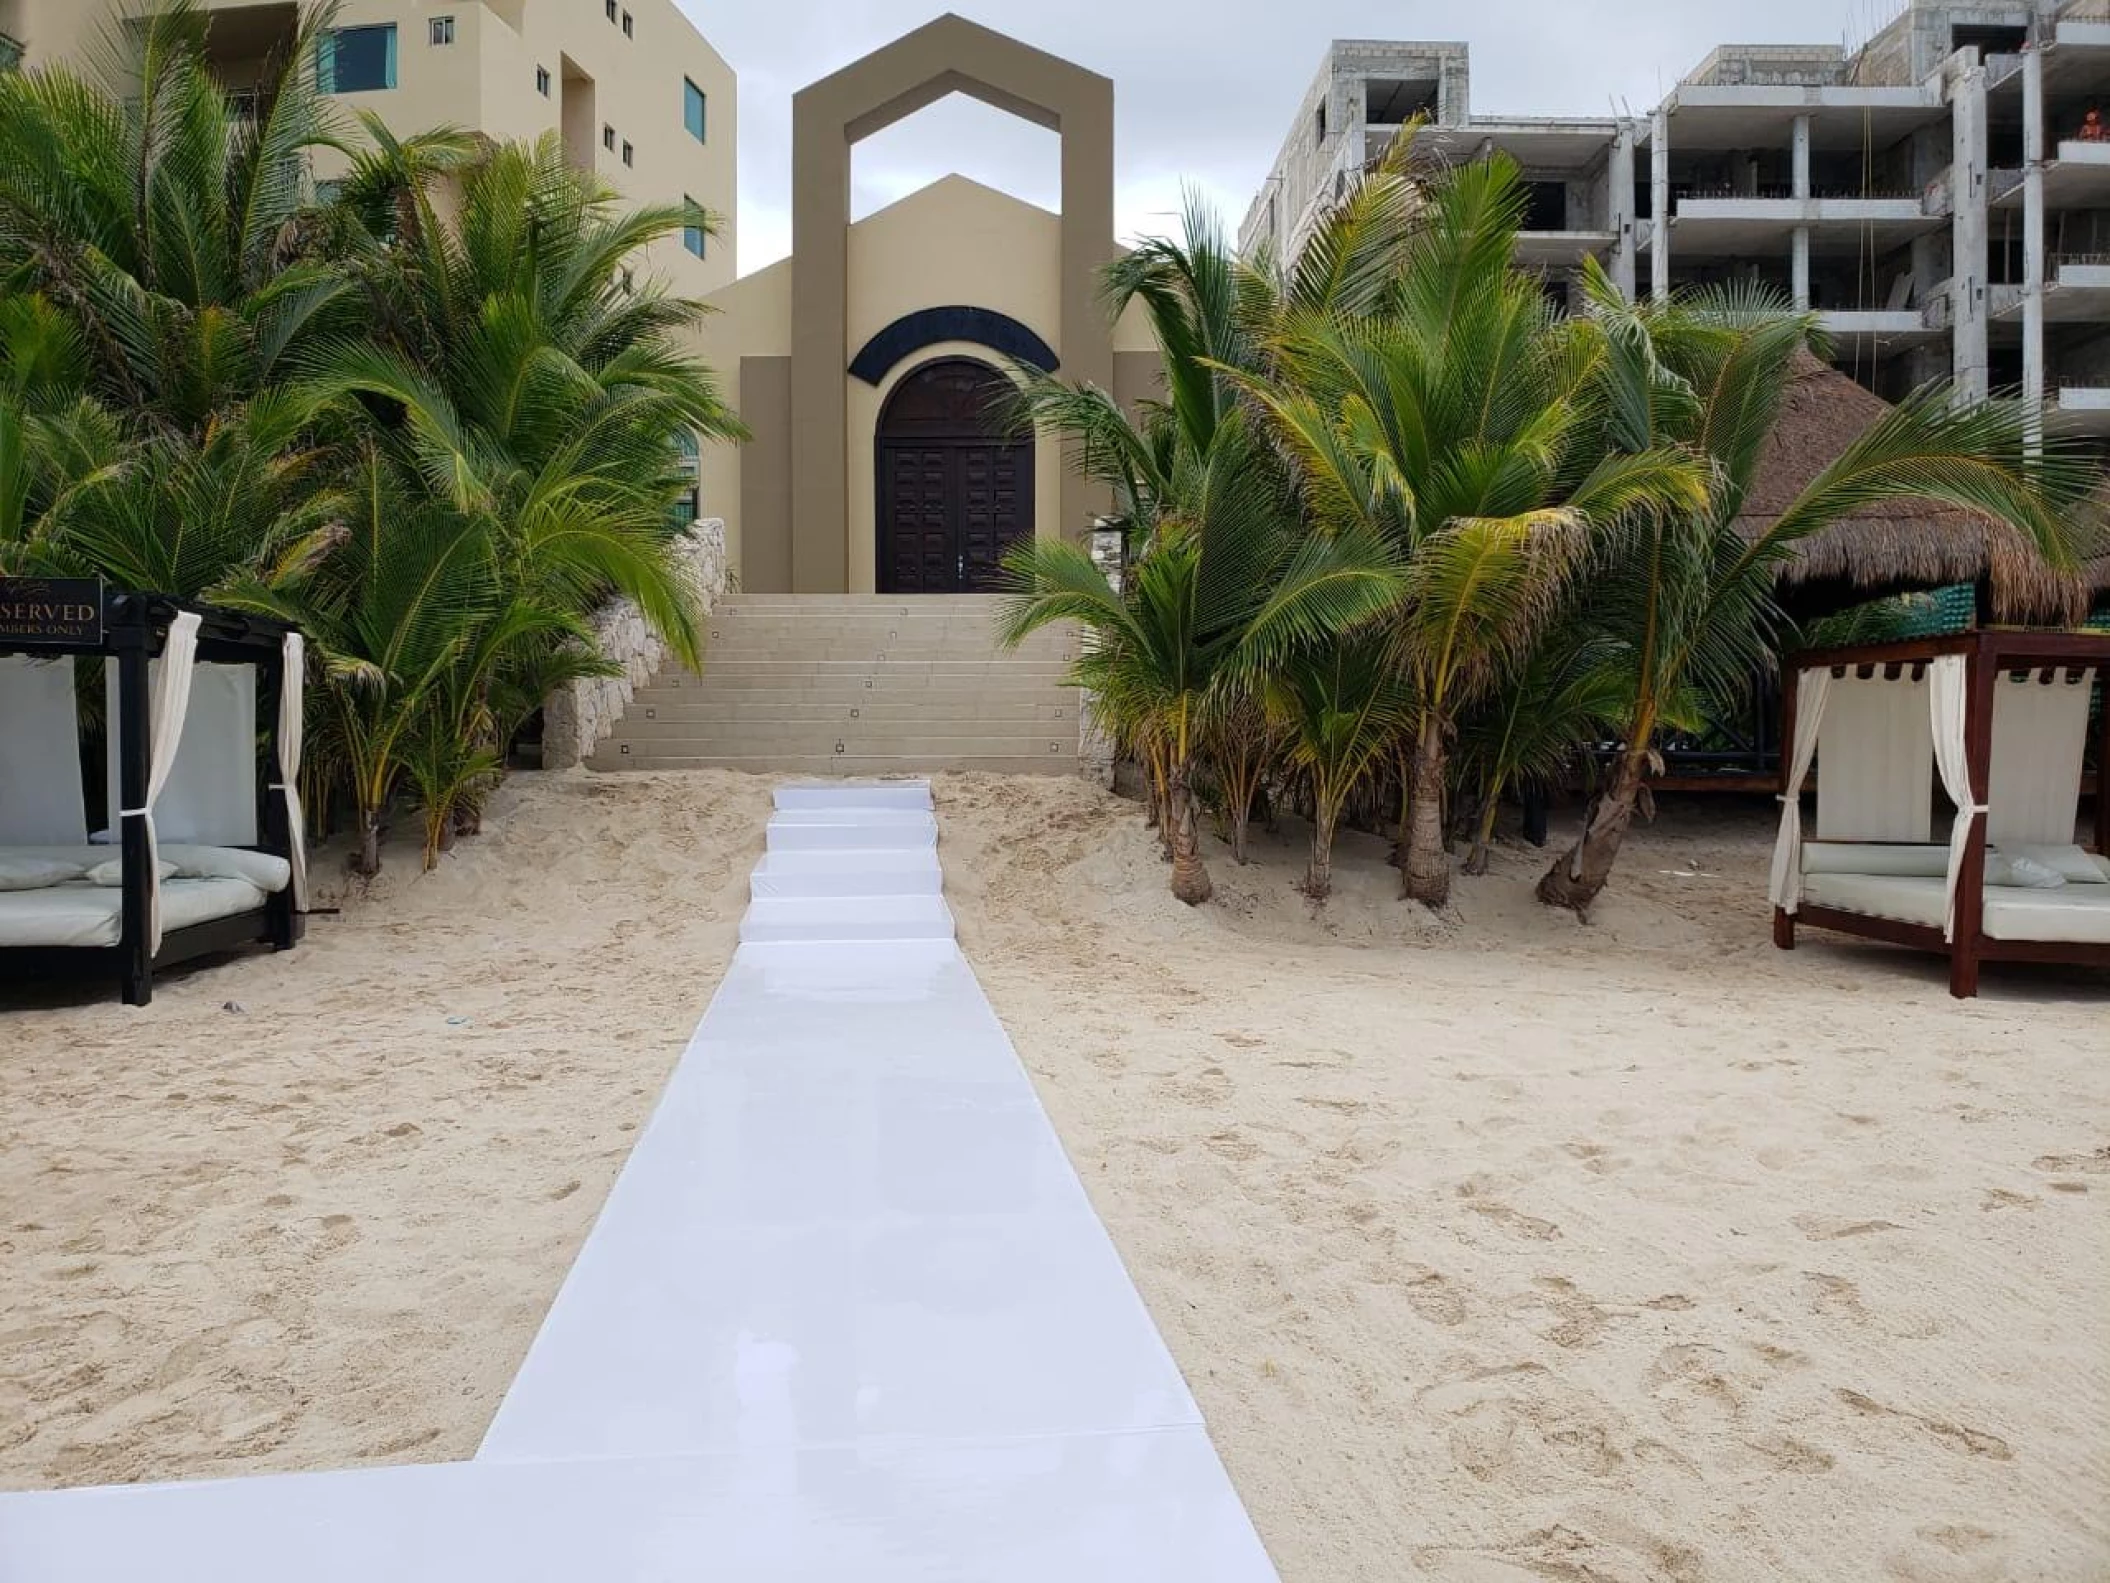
(1027, 736)
(826, 764)
(790, 651)
(836, 690)
(897, 741)
(706, 709)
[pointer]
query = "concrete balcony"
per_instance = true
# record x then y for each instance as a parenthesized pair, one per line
(2076, 291)
(1736, 226)
(2079, 409)
(1562, 250)
(2077, 178)
(1877, 333)
(1705, 116)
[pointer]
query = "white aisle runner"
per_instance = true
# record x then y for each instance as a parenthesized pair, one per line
(847, 1317)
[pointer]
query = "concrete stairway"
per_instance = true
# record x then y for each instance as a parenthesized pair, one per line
(835, 684)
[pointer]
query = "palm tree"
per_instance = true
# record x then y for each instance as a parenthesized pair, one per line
(1217, 598)
(532, 386)
(1529, 731)
(1456, 422)
(144, 208)
(1687, 599)
(1342, 707)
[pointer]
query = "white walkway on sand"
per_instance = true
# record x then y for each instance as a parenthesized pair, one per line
(847, 1314)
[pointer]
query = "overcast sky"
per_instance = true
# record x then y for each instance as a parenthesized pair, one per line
(1203, 89)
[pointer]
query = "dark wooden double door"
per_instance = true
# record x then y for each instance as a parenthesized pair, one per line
(955, 486)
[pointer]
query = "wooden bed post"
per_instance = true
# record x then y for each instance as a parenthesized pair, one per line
(1980, 686)
(281, 918)
(2102, 764)
(1790, 684)
(135, 965)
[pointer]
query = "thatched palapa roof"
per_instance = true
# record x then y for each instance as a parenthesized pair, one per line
(1897, 546)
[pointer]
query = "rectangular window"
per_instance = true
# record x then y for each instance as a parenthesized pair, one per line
(611, 10)
(628, 30)
(608, 138)
(692, 236)
(692, 109)
(442, 31)
(629, 153)
(542, 83)
(356, 59)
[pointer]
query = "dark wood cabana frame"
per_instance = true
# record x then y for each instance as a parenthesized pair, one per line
(1992, 653)
(135, 629)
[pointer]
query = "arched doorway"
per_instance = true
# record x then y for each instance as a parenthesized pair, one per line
(955, 485)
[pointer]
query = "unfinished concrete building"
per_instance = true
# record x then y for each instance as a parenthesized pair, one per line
(1938, 195)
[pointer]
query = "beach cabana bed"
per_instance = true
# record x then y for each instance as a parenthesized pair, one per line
(200, 845)
(2000, 721)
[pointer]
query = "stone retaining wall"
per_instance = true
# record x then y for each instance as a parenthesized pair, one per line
(581, 714)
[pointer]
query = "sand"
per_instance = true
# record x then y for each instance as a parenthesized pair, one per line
(1494, 1247)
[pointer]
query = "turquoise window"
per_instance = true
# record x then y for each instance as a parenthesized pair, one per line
(357, 59)
(692, 108)
(692, 236)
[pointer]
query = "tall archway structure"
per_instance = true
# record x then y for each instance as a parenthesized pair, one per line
(946, 56)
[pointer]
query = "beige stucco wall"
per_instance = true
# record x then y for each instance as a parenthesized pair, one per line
(954, 242)
(485, 82)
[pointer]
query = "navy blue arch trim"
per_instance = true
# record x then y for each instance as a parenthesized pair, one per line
(912, 332)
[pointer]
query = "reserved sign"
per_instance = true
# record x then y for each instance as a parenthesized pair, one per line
(53, 610)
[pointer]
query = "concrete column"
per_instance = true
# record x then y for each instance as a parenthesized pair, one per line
(1799, 269)
(1968, 173)
(2033, 370)
(1802, 156)
(1659, 206)
(1619, 177)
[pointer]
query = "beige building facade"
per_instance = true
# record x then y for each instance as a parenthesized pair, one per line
(872, 365)
(640, 97)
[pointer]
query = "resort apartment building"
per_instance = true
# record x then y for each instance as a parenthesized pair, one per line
(1941, 195)
(640, 97)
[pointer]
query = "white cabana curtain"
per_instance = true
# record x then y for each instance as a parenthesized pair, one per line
(41, 801)
(170, 704)
(292, 698)
(210, 798)
(1812, 691)
(2040, 731)
(1948, 697)
(1878, 760)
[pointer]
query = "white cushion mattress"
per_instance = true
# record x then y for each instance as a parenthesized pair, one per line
(93, 915)
(2077, 914)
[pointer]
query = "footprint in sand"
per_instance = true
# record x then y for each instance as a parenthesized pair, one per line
(1578, 1322)
(1436, 1300)
(2096, 1164)
(1826, 1228)
(1834, 1294)
(1786, 1454)
(1506, 1425)
(1953, 1553)
(1231, 1146)
(1955, 1437)
(1690, 1379)
(2001, 1198)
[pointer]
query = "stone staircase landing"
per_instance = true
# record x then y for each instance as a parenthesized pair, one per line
(847, 684)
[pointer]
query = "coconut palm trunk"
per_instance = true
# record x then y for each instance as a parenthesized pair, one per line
(1476, 860)
(1190, 876)
(1579, 875)
(1425, 876)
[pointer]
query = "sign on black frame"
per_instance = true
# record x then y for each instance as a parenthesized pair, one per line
(64, 612)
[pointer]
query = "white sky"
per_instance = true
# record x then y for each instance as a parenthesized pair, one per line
(1203, 89)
